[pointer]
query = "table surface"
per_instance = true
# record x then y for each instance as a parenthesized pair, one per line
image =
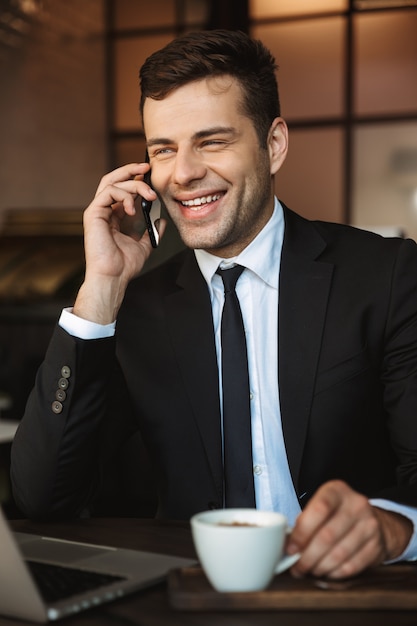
(151, 607)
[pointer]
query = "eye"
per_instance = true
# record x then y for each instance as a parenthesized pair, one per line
(213, 143)
(162, 153)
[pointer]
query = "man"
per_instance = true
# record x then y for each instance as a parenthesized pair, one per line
(330, 318)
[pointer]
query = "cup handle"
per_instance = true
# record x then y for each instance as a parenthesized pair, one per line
(287, 561)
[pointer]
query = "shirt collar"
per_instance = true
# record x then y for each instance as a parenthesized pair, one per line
(262, 255)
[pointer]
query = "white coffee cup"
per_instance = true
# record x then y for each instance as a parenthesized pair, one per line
(241, 549)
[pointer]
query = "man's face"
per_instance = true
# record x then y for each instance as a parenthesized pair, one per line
(208, 167)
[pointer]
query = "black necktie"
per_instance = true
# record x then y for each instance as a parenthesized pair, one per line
(238, 465)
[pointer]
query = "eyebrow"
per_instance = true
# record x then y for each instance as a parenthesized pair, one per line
(215, 130)
(201, 134)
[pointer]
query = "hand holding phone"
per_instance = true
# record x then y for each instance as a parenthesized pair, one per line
(151, 211)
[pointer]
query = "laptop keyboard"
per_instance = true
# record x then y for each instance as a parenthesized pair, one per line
(57, 583)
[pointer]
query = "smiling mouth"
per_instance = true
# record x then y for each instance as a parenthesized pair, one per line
(197, 203)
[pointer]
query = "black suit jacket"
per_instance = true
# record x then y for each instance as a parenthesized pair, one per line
(347, 334)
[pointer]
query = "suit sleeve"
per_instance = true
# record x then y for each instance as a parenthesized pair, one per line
(399, 374)
(63, 438)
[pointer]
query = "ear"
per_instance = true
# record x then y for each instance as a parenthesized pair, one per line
(277, 144)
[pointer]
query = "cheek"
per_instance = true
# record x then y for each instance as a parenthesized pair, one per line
(241, 169)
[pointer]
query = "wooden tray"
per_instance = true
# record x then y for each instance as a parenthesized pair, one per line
(386, 587)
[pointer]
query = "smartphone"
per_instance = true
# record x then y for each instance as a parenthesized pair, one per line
(151, 211)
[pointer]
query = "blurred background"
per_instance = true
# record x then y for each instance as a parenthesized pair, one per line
(69, 112)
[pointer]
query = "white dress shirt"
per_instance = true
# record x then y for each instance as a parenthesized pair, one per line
(257, 290)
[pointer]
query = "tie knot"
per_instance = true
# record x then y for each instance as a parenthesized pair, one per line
(230, 277)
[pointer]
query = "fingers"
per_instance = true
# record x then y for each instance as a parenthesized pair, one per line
(119, 189)
(122, 174)
(112, 256)
(337, 534)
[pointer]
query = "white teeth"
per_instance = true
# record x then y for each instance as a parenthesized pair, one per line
(197, 202)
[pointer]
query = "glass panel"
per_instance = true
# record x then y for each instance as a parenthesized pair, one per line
(196, 11)
(129, 56)
(382, 4)
(131, 150)
(130, 14)
(310, 56)
(52, 110)
(259, 9)
(385, 178)
(386, 57)
(311, 180)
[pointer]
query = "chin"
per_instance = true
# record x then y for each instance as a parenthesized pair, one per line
(199, 240)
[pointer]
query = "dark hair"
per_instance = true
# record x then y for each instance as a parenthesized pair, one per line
(203, 54)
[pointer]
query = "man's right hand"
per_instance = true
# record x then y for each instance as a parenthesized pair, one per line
(112, 257)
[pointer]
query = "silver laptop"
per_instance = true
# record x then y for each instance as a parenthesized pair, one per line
(24, 556)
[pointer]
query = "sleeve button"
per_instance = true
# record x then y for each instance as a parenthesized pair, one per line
(57, 407)
(60, 395)
(66, 371)
(63, 383)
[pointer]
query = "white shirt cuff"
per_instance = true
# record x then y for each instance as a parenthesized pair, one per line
(84, 329)
(410, 553)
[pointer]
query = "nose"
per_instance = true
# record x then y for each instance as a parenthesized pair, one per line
(188, 167)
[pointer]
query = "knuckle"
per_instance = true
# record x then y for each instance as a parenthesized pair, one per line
(321, 507)
(361, 505)
(341, 554)
(347, 569)
(331, 494)
(328, 535)
(336, 485)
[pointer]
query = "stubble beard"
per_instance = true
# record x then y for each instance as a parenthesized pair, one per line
(236, 229)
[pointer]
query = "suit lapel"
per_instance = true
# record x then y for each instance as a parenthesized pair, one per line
(303, 296)
(190, 323)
